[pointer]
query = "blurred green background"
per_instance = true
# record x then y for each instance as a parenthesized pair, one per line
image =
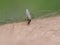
(14, 10)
